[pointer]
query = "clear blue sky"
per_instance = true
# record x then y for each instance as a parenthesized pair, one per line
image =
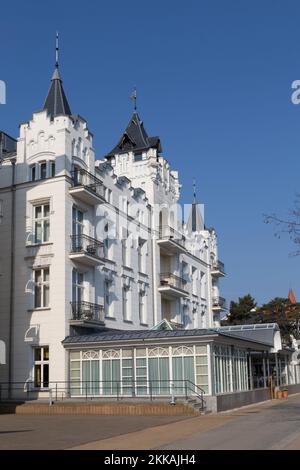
(214, 81)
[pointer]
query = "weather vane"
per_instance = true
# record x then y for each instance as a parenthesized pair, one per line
(133, 97)
(56, 50)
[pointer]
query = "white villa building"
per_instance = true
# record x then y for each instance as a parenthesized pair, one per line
(104, 288)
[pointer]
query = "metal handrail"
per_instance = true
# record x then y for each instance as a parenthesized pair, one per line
(83, 310)
(90, 389)
(88, 245)
(81, 177)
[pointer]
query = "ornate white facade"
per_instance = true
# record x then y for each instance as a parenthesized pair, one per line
(90, 244)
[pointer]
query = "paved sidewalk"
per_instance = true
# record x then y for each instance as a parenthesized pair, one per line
(64, 431)
(203, 432)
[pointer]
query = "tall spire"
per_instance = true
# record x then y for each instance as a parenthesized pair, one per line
(195, 221)
(56, 102)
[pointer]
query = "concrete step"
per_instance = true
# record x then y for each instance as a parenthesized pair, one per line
(113, 408)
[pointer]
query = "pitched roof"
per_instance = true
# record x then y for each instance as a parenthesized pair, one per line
(135, 138)
(56, 102)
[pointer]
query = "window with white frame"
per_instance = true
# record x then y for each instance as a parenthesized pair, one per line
(77, 286)
(125, 303)
(41, 367)
(107, 298)
(194, 280)
(41, 223)
(142, 307)
(41, 287)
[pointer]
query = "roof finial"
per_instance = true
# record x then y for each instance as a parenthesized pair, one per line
(56, 50)
(194, 190)
(133, 97)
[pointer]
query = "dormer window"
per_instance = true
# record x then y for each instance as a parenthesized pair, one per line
(138, 157)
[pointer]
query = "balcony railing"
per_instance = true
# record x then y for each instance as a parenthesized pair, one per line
(87, 245)
(87, 180)
(219, 301)
(218, 266)
(87, 311)
(170, 280)
(170, 233)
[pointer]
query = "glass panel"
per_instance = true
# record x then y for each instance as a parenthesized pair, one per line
(115, 375)
(46, 210)
(46, 353)
(140, 352)
(177, 365)
(38, 212)
(127, 353)
(37, 354)
(75, 374)
(37, 375)
(201, 349)
(203, 370)
(45, 375)
(43, 171)
(46, 230)
(106, 377)
(141, 362)
(201, 360)
(46, 296)
(38, 232)
(75, 355)
(46, 275)
(95, 385)
(37, 296)
(86, 377)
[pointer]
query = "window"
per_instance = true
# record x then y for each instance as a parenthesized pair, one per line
(41, 223)
(41, 288)
(52, 169)
(194, 280)
(41, 367)
(106, 242)
(1, 210)
(77, 229)
(77, 286)
(43, 170)
(33, 173)
(125, 303)
(142, 307)
(107, 284)
(124, 252)
(138, 157)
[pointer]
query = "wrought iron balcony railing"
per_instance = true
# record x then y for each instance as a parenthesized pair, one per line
(170, 233)
(87, 245)
(86, 179)
(169, 279)
(87, 311)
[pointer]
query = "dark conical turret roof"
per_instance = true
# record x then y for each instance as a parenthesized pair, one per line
(56, 102)
(135, 138)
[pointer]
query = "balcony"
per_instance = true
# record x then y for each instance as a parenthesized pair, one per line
(87, 188)
(171, 241)
(86, 250)
(172, 286)
(218, 269)
(218, 303)
(87, 314)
